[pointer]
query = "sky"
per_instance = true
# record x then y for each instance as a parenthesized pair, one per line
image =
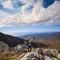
(19, 17)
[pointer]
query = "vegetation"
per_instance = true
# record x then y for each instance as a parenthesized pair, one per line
(49, 43)
(9, 56)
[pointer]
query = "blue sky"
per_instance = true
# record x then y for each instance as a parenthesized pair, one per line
(18, 17)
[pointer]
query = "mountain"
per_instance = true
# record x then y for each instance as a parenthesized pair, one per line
(11, 40)
(44, 36)
(52, 39)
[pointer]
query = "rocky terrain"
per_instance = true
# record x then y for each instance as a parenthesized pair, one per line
(3, 47)
(36, 54)
(41, 54)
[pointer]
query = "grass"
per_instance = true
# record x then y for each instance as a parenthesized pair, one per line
(52, 43)
(9, 56)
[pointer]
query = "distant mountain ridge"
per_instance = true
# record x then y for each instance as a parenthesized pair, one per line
(45, 36)
(11, 40)
(52, 39)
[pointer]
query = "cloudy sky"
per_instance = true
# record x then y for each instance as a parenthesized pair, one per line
(29, 16)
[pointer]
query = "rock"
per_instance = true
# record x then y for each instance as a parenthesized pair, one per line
(3, 47)
(38, 56)
(54, 59)
(47, 58)
(39, 51)
(20, 48)
(28, 56)
(34, 58)
(58, 56)
(21, 56)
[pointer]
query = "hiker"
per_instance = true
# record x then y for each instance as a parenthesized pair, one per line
(29, 45)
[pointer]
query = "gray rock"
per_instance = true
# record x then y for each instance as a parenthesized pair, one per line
(28, 56)
(20, 48)
(3, 47)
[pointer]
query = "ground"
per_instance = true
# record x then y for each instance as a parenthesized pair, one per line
(11, 55)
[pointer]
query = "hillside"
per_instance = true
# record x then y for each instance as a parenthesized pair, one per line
(11, 40)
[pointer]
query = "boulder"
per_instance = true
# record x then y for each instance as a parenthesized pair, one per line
(3, 47)
(20, 48)
(27, 56)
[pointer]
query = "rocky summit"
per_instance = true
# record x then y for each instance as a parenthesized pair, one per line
(41, 54)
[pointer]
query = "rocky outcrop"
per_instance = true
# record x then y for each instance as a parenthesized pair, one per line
(41, 54)
(20, 48)
(3, 47)
(27, 56)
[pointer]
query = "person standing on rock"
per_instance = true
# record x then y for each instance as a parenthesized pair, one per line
(29, 45)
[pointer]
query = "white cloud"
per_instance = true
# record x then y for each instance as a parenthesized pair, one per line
(28, 2)
(7, 4)
(38, 14)
(3, 15)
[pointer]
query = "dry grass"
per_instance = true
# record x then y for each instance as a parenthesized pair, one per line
(10, 56)
(51, 43)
